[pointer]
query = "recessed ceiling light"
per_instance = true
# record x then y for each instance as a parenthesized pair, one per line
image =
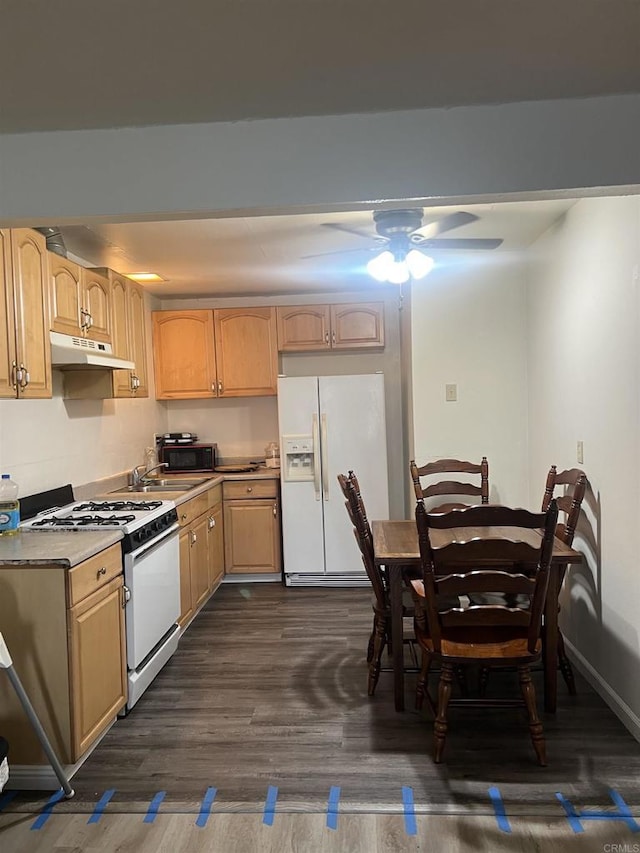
(145, 277)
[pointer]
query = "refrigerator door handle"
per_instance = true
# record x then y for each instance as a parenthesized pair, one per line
(325, 461)
(316, 458)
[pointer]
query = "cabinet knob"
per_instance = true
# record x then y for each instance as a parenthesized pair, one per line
(183, 517)
(249, 488)
(101, 571)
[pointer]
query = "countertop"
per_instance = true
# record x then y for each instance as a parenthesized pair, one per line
(68, 548)
(54, 547)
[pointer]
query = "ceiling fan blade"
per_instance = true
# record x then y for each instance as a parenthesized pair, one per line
(337, 227)
(447, 223)
(460, 243)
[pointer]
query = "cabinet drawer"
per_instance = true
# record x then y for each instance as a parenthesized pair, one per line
(215, 495)
(237, 489)
(89, 576)
(192, 509)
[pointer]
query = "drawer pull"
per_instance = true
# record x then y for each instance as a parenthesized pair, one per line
(101, 571)
(275, 510)
(249, 488)
(183, 517)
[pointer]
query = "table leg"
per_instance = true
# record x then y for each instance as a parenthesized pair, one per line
(395, 601)
(550, 644)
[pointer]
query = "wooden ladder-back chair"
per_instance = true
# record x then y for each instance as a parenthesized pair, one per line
(450, 487)
(380, 635)
(569, 504)
(485, 561)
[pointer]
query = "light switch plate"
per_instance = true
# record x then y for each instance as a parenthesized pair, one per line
(580, 453)
(451, 393)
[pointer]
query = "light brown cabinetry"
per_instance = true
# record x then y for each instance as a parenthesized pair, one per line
(128, 336)
(306, 328)
(79, 299)
(66, 633)
(200, 546)
(251, 527)
(25, 350)
(215, 353)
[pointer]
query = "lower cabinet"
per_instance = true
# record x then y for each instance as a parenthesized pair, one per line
(65, 631)
(201, 544)
(251, 527)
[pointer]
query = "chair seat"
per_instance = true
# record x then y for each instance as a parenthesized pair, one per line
(499, 645)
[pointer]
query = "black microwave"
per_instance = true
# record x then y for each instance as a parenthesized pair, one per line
(189, 457)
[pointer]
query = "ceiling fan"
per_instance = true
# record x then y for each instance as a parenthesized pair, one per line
(402, 237)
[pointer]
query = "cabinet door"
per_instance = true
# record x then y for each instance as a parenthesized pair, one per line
(303, 328)
(186, 608)
(64, 295)
(96, 300)
(97, 663)
(199, 560)
(8, 365)
(138, 339)
(120, 335)
(357, 326)
(251, 536)
(216, 546)
(246, 351)
(184, 354)
(29, 258)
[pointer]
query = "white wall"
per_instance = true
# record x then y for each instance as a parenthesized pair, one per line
(330, 160)
(468, 329)
(47, 443)
(584, 384)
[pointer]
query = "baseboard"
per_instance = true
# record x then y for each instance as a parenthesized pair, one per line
(620, 708)
(266, 577)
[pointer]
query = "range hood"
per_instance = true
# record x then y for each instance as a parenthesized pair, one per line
(71, 351)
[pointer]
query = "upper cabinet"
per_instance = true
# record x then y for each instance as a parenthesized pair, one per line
(128, 336)
(306, 328)
(215, 353)
(80, 300)
(25, 352)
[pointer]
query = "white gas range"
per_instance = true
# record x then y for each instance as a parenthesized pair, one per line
(151, 574)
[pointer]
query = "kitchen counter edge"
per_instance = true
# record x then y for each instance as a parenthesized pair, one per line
(54, 547)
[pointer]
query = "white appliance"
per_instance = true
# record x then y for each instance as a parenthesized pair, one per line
(72, 351)
(151, 575)
(329, 425)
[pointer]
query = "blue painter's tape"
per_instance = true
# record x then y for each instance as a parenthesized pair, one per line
(270, 805)
(624, 810)
(205, 808)
(572, 816)
(409, 812)
(45, 814)
(4, 801)
(101, 805)
(499, 809)
(332, 807)
(154, 805)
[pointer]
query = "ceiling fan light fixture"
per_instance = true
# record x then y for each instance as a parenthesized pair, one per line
(419, 264)
(380, 266)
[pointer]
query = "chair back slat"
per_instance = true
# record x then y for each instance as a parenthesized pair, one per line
(362, 532)
(451, 466)
(569, 503)
(515, 537)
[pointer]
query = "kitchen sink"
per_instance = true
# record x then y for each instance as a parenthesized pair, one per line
(176, 484)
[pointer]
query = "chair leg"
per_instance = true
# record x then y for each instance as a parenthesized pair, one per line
(535, 726)
(565, 666)
(371, 642)
(440, 726)
(421, 687)
(483, 680)
(379, 640)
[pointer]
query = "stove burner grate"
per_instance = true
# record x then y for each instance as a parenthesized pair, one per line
(102, 521)
(118, 506)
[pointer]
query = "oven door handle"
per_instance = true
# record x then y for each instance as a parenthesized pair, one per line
(155, 543)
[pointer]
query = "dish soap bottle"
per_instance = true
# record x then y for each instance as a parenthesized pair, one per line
(9, 506)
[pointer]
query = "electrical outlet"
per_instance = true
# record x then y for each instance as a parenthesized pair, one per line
(580, 452)
(451, 393)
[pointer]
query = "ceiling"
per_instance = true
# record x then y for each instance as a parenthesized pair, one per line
(77, 64)
(265, 254)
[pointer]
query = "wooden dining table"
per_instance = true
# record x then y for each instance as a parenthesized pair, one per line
(395, 548)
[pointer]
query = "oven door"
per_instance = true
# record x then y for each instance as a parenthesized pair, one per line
(152, 575)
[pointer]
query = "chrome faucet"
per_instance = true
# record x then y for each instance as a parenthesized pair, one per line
(138, 479)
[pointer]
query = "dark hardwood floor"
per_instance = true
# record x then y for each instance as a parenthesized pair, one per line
(268, 687)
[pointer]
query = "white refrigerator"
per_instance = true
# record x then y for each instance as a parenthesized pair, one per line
(328, 426)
